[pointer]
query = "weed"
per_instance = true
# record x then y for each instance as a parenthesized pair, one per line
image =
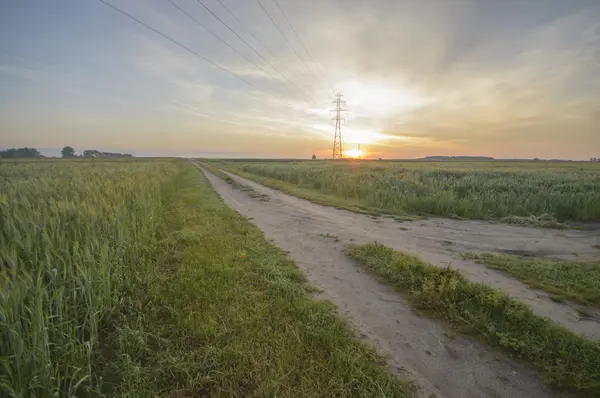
(566, 360)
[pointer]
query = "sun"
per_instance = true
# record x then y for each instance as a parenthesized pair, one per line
(354, 153)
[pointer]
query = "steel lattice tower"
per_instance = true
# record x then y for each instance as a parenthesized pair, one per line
(337, 138)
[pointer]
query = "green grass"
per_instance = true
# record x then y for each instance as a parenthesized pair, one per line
(142, 282)
(573, 280)
(565, 360)
(526, 193)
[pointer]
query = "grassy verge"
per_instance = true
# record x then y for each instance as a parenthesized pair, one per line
(573, 280)
(233, 316)
(566, 361)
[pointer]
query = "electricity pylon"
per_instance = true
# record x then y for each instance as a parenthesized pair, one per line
(337, 138)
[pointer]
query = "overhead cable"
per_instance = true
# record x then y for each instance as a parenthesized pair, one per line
(193, 52)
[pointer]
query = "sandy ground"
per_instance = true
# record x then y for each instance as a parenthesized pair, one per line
(418, 347)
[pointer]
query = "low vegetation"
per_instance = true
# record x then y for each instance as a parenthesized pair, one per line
(134, 279)
(534, 193)
(566, 361)
(573, 280)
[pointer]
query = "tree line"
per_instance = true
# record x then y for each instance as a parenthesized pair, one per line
(66, 152)
(21, 153)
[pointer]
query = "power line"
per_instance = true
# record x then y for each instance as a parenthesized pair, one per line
(300, 40)
(192, 51)
(224, 42)
(253, 49)
(288, 42)
(247, 29)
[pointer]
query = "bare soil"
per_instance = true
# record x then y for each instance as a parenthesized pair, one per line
(441, 363)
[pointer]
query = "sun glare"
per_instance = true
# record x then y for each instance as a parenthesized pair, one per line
(379, 99)
(354, 153)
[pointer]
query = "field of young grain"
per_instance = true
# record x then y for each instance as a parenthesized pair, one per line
(134, 279)
(77, 239)
(536, 193)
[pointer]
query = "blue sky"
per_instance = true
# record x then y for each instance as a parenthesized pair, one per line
(499, 78)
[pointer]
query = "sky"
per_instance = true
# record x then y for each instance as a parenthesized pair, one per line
(508, 79)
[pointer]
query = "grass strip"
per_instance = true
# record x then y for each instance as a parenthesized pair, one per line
(566, 361)
(578, 281)
(233, 316)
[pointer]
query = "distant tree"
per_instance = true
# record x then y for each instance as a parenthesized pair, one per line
(92, 153)
(68, 152)
(314, 157)
(20, 153)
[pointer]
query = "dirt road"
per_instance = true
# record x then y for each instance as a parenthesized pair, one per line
(314, 237)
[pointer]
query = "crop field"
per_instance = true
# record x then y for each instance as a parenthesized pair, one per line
(530, 193)
(133, 278)
(76, 236)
